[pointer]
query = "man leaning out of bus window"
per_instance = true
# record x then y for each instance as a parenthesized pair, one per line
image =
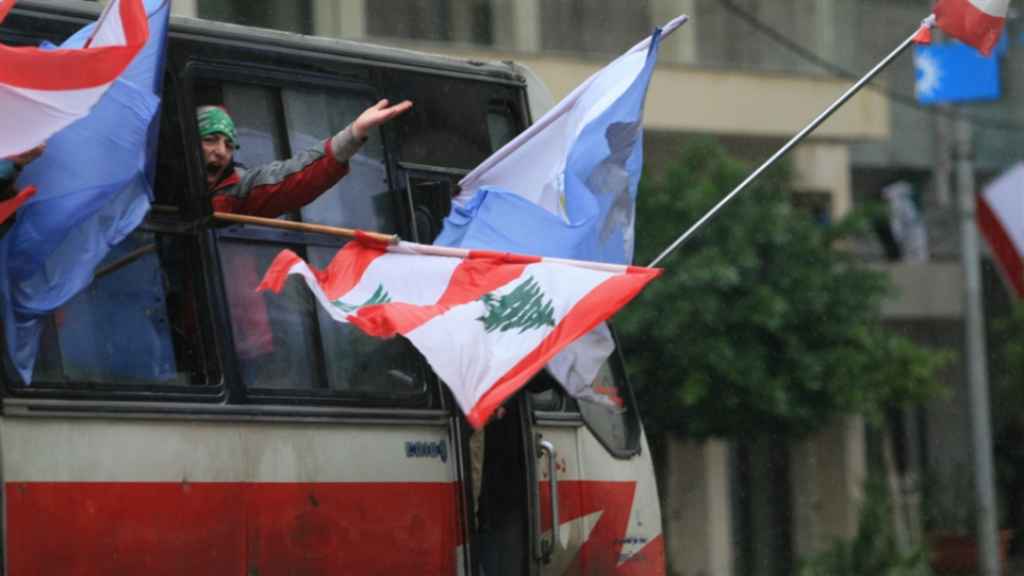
(271, 190)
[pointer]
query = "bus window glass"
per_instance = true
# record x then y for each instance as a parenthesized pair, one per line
(362, 198)
(449, 126)
(252, 109)
(285, 342)
(135, 324)
(274, 334)
(501, 125)
(613, 418)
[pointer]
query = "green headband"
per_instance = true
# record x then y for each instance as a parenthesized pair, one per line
(215, 120)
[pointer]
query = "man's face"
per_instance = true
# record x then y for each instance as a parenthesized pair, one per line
(217, 153)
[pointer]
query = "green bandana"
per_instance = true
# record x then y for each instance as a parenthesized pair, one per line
(215, 120)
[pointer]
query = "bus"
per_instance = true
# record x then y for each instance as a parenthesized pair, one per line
(150, 442)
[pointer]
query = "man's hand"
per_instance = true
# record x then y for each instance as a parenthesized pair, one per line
(376, 115)
(21, 160)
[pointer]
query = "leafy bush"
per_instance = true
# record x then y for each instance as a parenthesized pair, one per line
(873, 551)
(758, 324)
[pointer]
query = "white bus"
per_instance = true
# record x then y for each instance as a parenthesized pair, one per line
(144, 445)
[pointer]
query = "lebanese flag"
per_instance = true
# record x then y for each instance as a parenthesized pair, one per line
(485, 321)
(975, 22)
(43, 91)
(1001, 221)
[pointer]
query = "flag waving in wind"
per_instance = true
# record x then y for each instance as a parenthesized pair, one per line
(486, 322)
(94, 186)
(1001, 222)
(566, 187)
(975, 22)
(43, 91)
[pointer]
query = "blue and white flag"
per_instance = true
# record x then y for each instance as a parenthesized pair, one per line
(95, 183)
(566, 187)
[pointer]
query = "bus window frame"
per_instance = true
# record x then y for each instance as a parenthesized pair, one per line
(276, 79)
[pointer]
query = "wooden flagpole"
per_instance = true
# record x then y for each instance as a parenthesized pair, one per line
(303, 227)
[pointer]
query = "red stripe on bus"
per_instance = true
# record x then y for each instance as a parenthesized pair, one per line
(178, 528)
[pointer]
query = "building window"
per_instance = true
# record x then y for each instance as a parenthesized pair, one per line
(572, 25)
(461, 21)
(294, 16)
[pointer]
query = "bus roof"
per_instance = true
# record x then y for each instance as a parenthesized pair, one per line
(214, 31)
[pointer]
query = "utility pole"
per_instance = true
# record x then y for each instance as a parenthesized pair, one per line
(977, 370)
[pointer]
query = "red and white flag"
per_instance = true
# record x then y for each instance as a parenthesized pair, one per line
(485, 321)
(5, 7)
(1001, 221)
(43, 91)
(975, 22)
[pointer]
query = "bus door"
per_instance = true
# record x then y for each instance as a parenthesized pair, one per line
(598, 504)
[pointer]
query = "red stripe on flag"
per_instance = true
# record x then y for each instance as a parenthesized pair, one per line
(924, 35)
(8, 207)
(967, 23)
(473, 277)
(75, 69)
(1009, 260)
(596, 307)
(5, 7)
(347, 268)
(342, 274)
(278, 271)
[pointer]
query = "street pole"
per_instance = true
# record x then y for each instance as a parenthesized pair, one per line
(977, 370)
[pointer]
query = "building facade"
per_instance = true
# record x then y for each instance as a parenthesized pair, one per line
(752, 74)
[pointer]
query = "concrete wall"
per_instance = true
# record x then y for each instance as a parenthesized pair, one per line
(696, 508)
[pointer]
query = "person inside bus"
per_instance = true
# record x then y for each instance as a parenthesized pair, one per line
(278, 187)
(271, 190)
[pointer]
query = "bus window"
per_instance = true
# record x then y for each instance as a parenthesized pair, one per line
(501, 124)
(612, 419)
(450, 126)
(137, 325)
(362, 199)
(252, 108)
(134, 325)
(285, 343)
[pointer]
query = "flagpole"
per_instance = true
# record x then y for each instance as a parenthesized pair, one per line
(303, 227)
(929, 22)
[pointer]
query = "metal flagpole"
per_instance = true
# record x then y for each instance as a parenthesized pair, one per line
(929, 22)
(977, 367)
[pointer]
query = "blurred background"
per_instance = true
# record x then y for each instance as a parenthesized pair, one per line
(760, 499)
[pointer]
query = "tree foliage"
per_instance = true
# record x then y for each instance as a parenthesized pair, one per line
(759, 323)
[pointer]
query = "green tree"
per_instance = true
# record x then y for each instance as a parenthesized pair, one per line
(759, 323)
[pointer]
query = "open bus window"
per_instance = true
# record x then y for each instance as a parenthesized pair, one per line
(285, 343)
(134, 325)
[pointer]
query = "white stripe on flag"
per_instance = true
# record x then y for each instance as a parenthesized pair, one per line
(469, 358)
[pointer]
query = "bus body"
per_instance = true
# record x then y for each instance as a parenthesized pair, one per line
(163, 434)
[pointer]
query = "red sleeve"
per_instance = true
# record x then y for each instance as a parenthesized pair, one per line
(294, 190)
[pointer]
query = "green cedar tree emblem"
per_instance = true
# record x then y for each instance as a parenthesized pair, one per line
(379, 296)
(524, 308)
